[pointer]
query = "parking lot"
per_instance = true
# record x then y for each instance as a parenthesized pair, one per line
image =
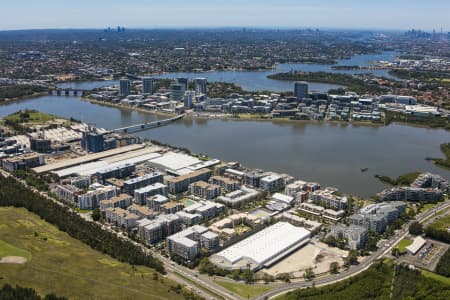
(428, 256)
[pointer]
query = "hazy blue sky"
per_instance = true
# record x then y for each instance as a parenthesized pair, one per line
(385, 14)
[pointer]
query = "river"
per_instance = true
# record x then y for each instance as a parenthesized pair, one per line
(258, 81)
(328, 153)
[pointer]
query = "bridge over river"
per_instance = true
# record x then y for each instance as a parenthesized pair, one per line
(146, 126)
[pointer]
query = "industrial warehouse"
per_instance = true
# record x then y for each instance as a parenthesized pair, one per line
(263, 248)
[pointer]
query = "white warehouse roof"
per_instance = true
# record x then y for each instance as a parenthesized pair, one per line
(264, 246)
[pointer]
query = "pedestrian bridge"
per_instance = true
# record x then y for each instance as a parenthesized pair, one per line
(146, 126)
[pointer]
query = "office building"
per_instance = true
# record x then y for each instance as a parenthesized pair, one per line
(200, 86)
(147, 85)
(301, 90)
(124, 87)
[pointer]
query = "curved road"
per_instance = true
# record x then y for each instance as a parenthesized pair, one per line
(354, 270)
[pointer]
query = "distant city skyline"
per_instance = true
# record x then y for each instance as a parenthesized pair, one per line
(381, 14)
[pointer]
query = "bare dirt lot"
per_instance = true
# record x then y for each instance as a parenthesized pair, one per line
(315, 255)
(13, 260)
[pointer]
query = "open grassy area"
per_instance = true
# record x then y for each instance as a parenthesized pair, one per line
(435, 276)
(441, 223)
(401, 246)
(29, 116)
(427, 206)
(67, 267)
(247, 291)
(9, 250)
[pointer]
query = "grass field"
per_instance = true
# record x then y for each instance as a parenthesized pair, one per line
(9, 250)
(33, 117)
(427, 206)
(401, 246)
(441, 223)
(65, 266)
(247, 291)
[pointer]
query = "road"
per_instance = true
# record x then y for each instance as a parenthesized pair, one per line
(174, 270)
(196, 281)
(354, 270)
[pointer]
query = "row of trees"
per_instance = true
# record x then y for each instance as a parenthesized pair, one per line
(375, 283)
(443, 267)
(16, 91)
(9, 292)
(12, 193)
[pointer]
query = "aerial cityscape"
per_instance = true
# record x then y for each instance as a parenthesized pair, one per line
(260, 150)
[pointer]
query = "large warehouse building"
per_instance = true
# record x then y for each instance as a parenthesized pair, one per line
(263, 248)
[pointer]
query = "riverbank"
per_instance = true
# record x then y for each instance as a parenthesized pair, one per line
(443, 162)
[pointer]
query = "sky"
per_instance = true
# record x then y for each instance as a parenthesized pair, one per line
(357, 14)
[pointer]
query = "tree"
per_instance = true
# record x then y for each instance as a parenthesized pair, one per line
(395, 252)
(415, 228)
(96, 214)
(334, 267)
(351, 259)
(309, 274)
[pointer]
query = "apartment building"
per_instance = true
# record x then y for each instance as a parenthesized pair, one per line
(181, 184)
(188, 242)
(130, 185)
(272, 183)
(356, 236)
(153, 231)
(97, 193)
(122, 201)
(19, 162)
(141, 195)
(121, 217)
(328, 198)
(204, 190)
(68, 192)
(225, 183)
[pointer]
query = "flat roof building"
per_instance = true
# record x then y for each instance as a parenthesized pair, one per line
(262, 249)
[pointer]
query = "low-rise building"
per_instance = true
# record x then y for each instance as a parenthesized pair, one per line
(155, 202)
(121, 217)
(153, 231)
(96, 193)
(68, 192)
(227, 184)
(181, 183)
(130, 185)
(239, 197)
(328, 198)
(204, 190)
(188, 242)
(356, 236)
(122, 201)
(272, 183)
(20, 162)
(141, 195)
